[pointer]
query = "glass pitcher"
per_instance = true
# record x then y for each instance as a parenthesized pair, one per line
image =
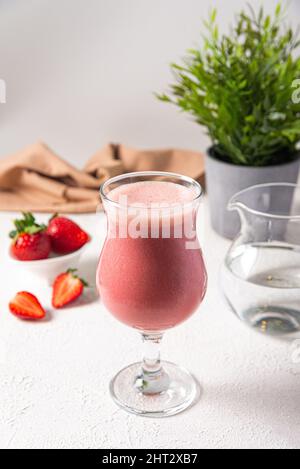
(260, 277)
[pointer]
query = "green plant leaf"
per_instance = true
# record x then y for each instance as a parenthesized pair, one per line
(278, 9)
(239, 87)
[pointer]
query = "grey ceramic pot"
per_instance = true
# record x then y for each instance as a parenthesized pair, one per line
(224, 180)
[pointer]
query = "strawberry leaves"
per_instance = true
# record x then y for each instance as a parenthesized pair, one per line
(72, 272)
(26, 225)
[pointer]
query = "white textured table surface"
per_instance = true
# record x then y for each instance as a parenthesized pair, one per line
(54, 375)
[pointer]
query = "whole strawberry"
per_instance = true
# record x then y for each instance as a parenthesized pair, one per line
(30, 240)
(66, 236)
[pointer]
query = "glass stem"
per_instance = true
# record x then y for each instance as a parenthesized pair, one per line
(152, 378)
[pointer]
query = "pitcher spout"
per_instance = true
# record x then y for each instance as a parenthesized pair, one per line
(235, 204)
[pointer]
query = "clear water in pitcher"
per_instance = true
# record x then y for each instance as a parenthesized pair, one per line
(261, 281)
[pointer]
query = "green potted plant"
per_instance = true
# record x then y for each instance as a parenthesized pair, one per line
(243, 88)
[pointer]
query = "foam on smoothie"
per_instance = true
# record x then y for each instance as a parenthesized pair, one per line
(149, 192)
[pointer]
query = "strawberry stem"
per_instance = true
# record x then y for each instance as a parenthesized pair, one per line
(72, 271)
(53, 216)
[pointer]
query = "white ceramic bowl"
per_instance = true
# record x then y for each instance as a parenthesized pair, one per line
(48, 269)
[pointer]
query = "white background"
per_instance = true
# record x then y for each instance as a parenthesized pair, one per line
(80, 73)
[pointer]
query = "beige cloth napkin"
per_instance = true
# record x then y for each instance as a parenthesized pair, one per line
(36, 179)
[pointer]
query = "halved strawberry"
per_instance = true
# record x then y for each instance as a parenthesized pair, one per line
(66, 236)
(26, 306)
(30, 240)
(67, 288)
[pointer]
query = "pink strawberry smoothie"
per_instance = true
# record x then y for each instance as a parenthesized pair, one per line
(151, 284)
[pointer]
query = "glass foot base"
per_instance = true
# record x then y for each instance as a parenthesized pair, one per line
(183, 391)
